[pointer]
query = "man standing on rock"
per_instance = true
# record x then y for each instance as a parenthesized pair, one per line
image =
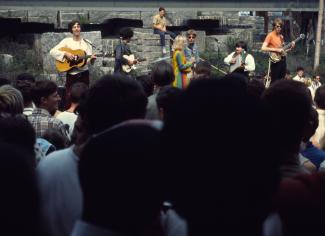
(159, 27)
(64, 51)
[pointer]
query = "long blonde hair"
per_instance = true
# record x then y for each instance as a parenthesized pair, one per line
(179, 42)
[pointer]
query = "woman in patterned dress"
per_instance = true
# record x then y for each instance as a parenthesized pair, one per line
(181, 67)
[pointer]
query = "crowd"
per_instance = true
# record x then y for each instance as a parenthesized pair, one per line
(161, 155)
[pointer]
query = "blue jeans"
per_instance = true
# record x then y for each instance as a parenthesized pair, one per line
(162, 35)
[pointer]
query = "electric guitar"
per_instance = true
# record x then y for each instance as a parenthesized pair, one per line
(128, 68)
(79, 61)
(276, 56)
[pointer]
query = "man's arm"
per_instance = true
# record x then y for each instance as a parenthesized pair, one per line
(249, 63)
(60, 55)
(229, 59)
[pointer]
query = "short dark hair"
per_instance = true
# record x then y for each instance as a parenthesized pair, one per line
(16, 129)
(162, 74)
(203, 67)
(288, 105)
(241, 44)
(26, 77)
(77, 90)
(4, 81)
(111, 100)
(42, 88)
(167, 98)
(25, 87)
(72, 23)
(147, 84)
(299, 68)
(320, 97)
(161, 9)
(126, 33)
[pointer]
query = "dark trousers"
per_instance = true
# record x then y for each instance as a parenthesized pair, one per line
(72, 79)
(278, 70)
(162, 35)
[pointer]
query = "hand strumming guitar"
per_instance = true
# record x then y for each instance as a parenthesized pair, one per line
(69, 56)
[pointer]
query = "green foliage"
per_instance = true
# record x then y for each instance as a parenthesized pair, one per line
(216, 59)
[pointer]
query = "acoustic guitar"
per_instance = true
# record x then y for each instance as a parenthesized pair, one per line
(276, 56)
(79, 61)
(128, 68)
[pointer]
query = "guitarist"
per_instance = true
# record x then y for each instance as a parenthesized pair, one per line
(240, 61)
(123, 49)
(274, 42)
(76, 74)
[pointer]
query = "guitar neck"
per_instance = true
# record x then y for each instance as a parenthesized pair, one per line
(289, 44)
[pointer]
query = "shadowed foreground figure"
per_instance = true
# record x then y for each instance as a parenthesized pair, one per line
(220, 176)
(19, 200)
(120, 179)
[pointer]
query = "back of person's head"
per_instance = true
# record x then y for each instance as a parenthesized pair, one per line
(16, 129)
(77, 90)
(19, 200)
(42, 89)
(255, 88)
(120, 179)
(320, 97)
(126, 33)
(55, 137)
(147, 84)
(288, 107)
(4, 81)
(241, 44)
(166, 100)
(203, 68)
(72, 23)
(162, 74)
(222, 110)
(26, 77)
(111, 100)
(25, 87)
(237, 76)
(179, 42)
(11, 100)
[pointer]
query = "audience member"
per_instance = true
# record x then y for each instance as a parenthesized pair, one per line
(24, 83)
(45, 96)
(111, 100)
(202, 70)
(167, 100)
(11, 100)
(162, 75)
(69, 116)
(117, 171)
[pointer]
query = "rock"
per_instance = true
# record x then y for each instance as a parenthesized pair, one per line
(6, 62)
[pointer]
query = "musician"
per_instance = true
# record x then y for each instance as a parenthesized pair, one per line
(274, 42)
(123, 49)
(191, 50)
(76, 74)
(240, 61)
(159, 27)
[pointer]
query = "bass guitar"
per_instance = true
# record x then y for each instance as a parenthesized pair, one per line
(276, 56)
(128, 68)
(80, 59)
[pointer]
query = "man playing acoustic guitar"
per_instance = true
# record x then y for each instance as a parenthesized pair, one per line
(274, 43)
(76, 42)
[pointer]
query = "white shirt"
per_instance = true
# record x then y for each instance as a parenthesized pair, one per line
(68, 118)
(73, 45)
(249, 61)
(60, 191)
(298, 78)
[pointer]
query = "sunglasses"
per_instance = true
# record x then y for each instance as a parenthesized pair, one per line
(278, 26)
(191, 37)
